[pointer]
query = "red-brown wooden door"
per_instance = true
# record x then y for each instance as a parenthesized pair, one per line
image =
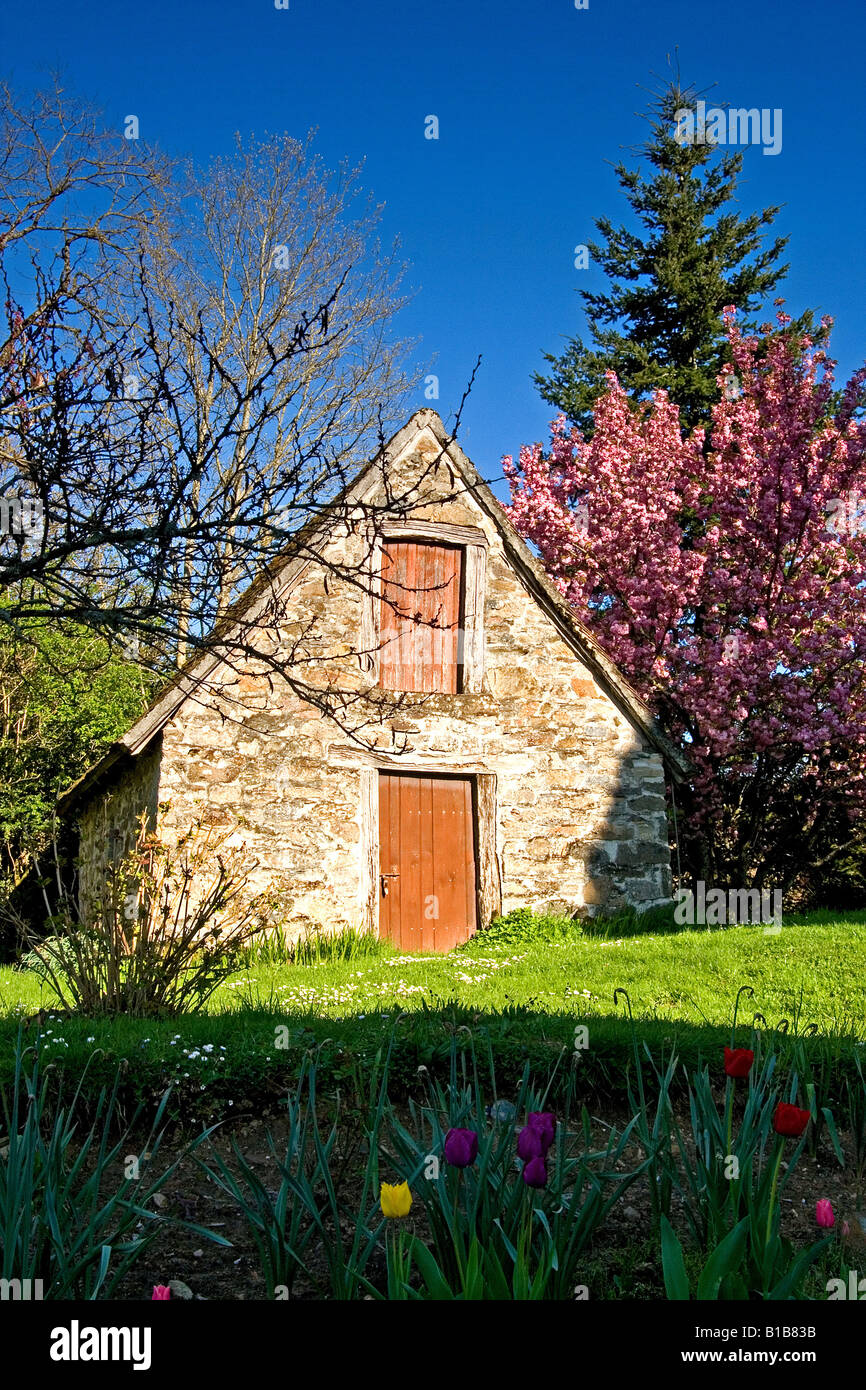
(419, 625)
(426, 861)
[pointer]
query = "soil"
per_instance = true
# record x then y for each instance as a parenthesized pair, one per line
(623, 1260)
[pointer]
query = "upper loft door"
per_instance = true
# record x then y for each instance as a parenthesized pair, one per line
(419, 618)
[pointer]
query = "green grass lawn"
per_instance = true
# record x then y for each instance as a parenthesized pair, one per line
(815, 968)
(818, 971)
(526, 990)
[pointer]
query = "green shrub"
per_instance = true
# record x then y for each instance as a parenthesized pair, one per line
(524, 926)
(164, 935)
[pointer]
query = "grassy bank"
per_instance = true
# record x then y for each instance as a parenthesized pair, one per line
(523, 988)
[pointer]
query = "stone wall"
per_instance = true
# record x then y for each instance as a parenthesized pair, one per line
(109, 824)
(580, 809)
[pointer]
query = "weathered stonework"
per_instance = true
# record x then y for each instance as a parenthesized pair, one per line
(573, 789)
(109, 823)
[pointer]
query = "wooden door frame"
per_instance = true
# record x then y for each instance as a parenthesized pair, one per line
(488, 877)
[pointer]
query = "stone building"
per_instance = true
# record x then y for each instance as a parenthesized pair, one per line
(488, 754)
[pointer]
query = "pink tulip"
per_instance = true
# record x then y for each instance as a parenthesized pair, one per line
(160, 1291)
(824, 1213)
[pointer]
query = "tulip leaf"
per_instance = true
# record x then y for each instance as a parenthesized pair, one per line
(834, 1137)
(725, 1259)
(473, 1282)
(437, 1285)
(497, 1280)
(734, 1289)
(673, 1265)
(512, 1252)
(787, 1285)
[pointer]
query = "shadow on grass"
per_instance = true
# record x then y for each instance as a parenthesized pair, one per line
(232, 1064)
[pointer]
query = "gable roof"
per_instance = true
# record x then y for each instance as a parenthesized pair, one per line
(285, 571)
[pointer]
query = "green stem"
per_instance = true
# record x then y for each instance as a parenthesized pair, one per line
(729, 1127)
(773, 1187)
(454, 1223)
(521, 1273)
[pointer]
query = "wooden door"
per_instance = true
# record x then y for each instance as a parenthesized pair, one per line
(419, 623)
(426, 861)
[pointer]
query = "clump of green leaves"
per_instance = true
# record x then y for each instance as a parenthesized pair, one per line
(484, 1221)
(308, 1226)
(523, 926)
(316, 947)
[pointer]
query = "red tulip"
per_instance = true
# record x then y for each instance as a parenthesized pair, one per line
(160, 1291)
(824, 1213)
(738, 1061)
(544, 1124)
(535, 1172)
(461, 1147)
(789, 1120)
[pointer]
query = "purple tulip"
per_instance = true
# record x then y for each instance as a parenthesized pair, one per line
(530, 1144)
(461, 1147)
(535, 1172)
(544, 1124)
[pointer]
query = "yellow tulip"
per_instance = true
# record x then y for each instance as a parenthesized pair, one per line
(395, 1199)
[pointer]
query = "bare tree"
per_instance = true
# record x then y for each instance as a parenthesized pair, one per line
(269, 307)
(73, 199)
(195, 363)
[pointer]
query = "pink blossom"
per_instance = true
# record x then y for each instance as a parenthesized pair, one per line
(706, 567)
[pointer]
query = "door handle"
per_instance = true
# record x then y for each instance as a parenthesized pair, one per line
(384, 882)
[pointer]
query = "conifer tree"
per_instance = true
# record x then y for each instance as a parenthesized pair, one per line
(660, 323)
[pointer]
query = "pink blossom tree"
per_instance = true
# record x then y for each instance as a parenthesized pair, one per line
(725, 573)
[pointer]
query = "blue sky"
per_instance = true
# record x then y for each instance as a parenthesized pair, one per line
(535, 102)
